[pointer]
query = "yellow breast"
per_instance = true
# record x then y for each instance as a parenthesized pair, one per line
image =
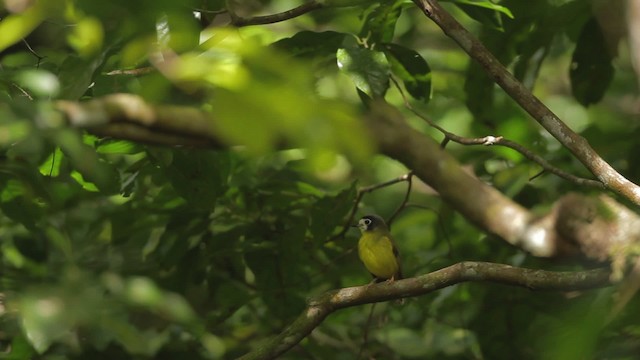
(376, 252)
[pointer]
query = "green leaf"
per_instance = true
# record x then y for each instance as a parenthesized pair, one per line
(412, 69)
(329, 212)
(214, 345)
(76, 75)
(14, 131)
(311, 44)
(486, 4)
(277, 265)
(484, 11)
(91, 170)
(20, 349)
(199, 177)
(113, 146)
(379, 26)
(86, 36)
(591, 70)
(15, 27)
(368, 69)
(40, 83)
(43, 321)
(51, 166)
(183, 230)
(17, 202)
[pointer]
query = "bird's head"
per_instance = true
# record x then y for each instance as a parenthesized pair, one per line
(371, 223)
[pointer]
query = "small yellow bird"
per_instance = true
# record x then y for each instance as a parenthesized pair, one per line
(377, 249)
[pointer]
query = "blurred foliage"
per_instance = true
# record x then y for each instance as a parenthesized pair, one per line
(112, 249)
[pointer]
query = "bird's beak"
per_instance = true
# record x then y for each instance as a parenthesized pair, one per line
(355, 225)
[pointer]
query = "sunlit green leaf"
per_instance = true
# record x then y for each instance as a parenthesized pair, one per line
(51, 166)
(92, 173)
(43, 321)
(87, 36)
(368, 69)
(118, 147)
(379, 26)
(485, 11)
(17, 26)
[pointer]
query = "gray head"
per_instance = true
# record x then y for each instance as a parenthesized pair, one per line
(371, 222)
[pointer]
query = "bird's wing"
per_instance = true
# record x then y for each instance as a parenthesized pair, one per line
(397, 255)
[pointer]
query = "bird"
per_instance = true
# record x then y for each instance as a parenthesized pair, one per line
(377, 249)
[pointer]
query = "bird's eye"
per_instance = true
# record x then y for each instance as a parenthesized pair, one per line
(367, 222)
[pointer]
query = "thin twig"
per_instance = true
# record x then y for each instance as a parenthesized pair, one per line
(501, 141)
(409, 177)
(23, 91)
(548, 167)
(365, 334)
(33, 52)
(274, 18)
(135, 72)
(359, 196)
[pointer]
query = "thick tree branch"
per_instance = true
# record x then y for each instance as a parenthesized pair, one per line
(543, 115)
(323, 305)
(487, 207)
(129, 117)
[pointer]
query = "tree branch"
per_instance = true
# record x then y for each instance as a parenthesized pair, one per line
(409, 177)
(274, 18)
(129, 117)
(323, 305)
(543, 115)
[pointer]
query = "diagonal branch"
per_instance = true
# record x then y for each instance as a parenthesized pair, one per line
(403, 204)
(543, 115)
(323, 305)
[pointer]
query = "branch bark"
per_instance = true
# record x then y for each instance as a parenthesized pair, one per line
(543, 115)
(323, 305)
(129, 117)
